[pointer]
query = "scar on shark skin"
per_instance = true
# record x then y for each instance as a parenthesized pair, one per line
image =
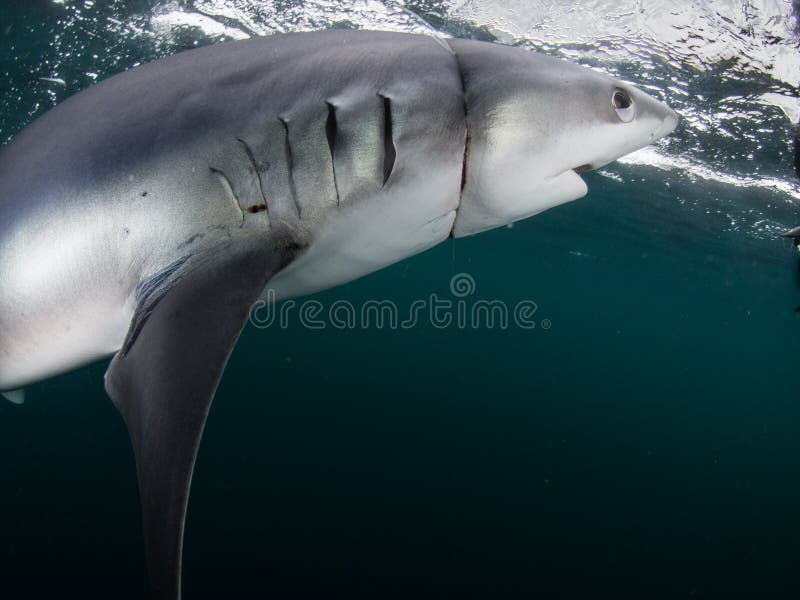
(258, 170)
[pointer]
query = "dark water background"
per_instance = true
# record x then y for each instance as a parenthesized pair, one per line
(647, 445)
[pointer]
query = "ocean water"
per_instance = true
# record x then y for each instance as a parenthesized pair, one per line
(642, 440)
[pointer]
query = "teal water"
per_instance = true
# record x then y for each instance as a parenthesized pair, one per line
(645, 445)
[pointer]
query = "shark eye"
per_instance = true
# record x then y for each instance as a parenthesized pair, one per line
(623, 105)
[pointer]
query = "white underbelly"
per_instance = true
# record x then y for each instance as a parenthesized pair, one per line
(61, 342)
(371, 235)
(65, 287)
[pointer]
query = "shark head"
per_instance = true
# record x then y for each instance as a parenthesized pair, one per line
(535, 122)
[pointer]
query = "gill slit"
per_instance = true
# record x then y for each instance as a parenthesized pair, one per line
(389, 149)
(227, 187)
(290, 165)
(467, 137)
(331, 133)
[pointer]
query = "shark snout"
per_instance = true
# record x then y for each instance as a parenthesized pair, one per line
(667, 126)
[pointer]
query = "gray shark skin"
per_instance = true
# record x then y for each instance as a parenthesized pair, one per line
(143, 217)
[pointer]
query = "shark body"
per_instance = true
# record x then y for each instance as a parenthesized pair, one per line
(143, 217)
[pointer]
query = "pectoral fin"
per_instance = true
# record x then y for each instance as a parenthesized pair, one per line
(163, 382)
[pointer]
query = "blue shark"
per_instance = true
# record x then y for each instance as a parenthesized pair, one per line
(142, 218)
